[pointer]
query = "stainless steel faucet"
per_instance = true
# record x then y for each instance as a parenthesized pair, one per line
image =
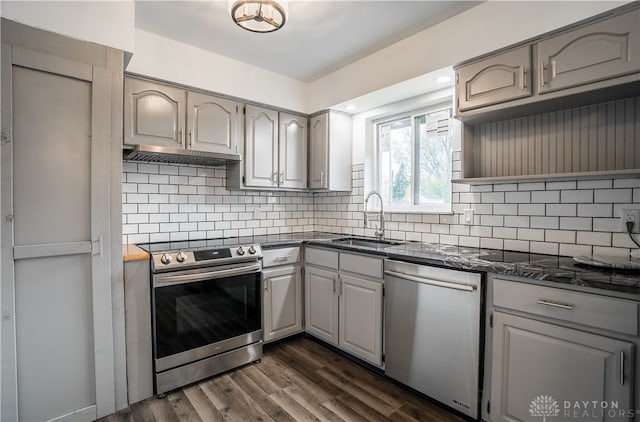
(379, 233)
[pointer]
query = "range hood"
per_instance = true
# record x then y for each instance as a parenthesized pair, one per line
(158, 154)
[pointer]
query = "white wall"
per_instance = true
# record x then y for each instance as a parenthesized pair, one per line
(173, 61)
(482, 29)
(109, 23)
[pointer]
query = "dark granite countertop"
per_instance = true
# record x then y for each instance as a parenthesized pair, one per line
(550, 268)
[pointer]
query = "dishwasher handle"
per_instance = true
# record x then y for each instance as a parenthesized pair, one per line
(439, 283)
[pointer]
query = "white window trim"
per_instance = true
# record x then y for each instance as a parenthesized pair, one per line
(374, 174)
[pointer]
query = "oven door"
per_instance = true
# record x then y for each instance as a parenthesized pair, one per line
(200, 313)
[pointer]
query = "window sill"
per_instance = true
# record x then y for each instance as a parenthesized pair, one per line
(416, 211)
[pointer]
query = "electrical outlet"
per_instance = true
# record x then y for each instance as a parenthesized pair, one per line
(632, 215)
(468, 216)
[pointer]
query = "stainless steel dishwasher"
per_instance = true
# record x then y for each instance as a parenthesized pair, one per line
(432, 328)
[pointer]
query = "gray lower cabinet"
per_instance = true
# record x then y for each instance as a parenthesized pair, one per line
(321, 304)
(538, 367)
(599, 51)
(552, 348)
(494, 80)
(282, 300)
(343, 301)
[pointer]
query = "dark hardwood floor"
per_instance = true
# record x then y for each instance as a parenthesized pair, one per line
(299, 380)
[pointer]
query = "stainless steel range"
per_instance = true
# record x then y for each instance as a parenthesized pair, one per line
(206, 310)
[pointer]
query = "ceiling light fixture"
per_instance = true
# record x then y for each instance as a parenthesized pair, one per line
(259, 15)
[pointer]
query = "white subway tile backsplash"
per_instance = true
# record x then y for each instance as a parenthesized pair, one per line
(174, 202)
(561, 210)
(593, 238)
(595, 210)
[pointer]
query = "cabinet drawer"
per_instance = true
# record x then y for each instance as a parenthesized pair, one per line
(321, 257)
(359, 264)
(581, 308)
(281, 256)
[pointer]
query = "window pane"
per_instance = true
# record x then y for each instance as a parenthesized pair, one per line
(394, 143)
(433, 158)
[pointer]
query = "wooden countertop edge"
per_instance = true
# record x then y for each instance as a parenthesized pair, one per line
(132, 252)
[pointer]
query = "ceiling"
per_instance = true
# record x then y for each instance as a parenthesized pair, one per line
(319, 37)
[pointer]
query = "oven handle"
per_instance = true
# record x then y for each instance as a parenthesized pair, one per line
(171, 280)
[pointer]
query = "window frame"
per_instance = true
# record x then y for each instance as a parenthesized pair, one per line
(412, 115)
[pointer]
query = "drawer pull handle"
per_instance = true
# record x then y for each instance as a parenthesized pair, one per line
(554, 304)
(280, 258)
(621, 368)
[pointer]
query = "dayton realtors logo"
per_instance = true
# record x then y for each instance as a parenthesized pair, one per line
(544, 406)
(547, 406)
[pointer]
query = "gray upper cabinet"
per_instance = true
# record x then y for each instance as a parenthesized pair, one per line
(293, 152)
(167, 116)
(212, 123)
(153, 114)
(494, 80)
(261, 150)
(593, 53)
(275, 151)
(587, 63)
(330, 136)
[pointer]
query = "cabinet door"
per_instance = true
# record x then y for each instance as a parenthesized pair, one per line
(494, 80)
(319, 151)
(293, 152)
(153, 114)
(212, 123)
(261, 156)
(596, 52)
(361, 318)
(282, 302)
(321, 304)
(535, 362)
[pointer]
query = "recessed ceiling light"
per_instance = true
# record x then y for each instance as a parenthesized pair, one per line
(443, 79)
(350, 107)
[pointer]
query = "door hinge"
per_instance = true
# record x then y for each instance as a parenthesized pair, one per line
(243, 180)
(244, 110)
(383, 291)
(489, 407)
(491, 320)
(384, 357)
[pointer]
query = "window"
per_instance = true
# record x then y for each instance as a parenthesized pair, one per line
(414, 161)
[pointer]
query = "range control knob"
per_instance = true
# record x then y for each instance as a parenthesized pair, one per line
(181, 257)
(252, 249)
(165, 259)
(240, 251)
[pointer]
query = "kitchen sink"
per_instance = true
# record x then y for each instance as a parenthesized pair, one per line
(367, 243)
